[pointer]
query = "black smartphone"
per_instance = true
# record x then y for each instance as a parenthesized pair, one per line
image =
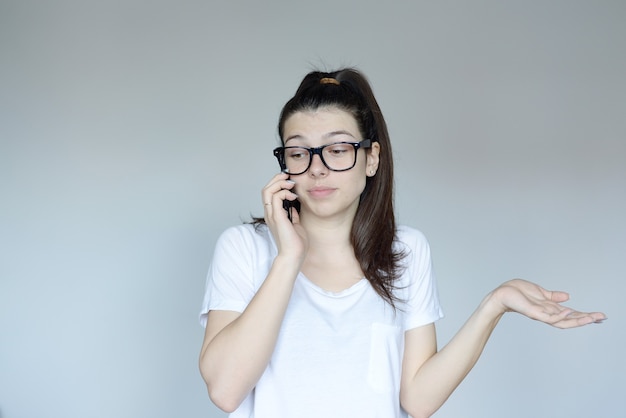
(287, 206)
(290, 205)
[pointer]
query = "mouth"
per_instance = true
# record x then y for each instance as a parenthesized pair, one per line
(321, 191)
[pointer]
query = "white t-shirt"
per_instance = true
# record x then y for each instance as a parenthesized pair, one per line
(337, 354)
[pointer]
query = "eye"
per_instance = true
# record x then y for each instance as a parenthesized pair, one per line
(339, 150)
(296, 153)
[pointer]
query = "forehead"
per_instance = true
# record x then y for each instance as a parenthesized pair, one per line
(319, 122)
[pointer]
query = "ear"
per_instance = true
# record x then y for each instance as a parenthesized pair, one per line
(373, 154)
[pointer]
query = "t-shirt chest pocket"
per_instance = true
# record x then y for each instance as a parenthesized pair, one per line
(385, 361)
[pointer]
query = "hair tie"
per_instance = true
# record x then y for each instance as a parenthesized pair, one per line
(328, 80)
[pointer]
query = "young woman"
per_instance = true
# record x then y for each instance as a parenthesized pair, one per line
(327, 308)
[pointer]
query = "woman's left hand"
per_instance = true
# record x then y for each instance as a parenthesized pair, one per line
(537, 303)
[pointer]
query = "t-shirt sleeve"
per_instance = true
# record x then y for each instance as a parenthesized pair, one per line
(230, 279)
(421, 294)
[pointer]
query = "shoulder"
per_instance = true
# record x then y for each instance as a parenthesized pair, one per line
(414, 247)
(246, 233)
(411, 239)
(245, 237)
(246, 230)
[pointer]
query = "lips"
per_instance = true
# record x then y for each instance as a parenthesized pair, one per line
(321, 191)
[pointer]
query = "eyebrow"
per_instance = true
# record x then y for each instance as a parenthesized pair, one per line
(326, 135)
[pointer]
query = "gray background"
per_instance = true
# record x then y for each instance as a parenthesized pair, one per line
(133, 132)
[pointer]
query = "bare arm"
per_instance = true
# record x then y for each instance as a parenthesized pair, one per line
(237, 347)
(430, 377)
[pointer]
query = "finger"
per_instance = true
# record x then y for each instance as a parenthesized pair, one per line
(277, 183)
(578, 319)
(596, 317)
(558, 296)
(550, 313)
(274, 183)
(275, 207)
(556, 311)
(282, 195)
(574, 321)
(282, 189)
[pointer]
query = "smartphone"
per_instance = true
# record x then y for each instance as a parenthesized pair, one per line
(290, 205)
(287, 206)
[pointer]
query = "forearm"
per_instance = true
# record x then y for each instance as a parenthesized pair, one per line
(430, 386)
(233, 360)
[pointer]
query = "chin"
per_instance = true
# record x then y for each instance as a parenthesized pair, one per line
(327, 212)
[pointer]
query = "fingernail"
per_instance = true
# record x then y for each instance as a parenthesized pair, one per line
(291, 181)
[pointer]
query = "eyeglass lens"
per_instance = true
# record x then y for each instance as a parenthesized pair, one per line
(337, 157)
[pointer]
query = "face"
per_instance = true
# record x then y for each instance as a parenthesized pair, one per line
(324, 193)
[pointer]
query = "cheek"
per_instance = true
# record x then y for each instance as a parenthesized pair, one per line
(360, 183)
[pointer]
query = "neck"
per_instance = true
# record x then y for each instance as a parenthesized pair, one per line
(330, 261)
(327, 235)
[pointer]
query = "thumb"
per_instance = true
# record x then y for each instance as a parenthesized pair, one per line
(558, 296)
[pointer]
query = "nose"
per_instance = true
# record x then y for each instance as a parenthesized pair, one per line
(317, 167)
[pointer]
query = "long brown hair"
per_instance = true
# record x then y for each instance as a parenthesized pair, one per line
(374, 227)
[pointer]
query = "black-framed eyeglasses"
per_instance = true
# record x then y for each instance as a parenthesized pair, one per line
(338, 156)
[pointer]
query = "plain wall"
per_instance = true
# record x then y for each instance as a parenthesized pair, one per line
(133, 132)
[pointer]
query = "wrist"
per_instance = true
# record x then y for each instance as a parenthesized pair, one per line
(289, 263)
(492, 304)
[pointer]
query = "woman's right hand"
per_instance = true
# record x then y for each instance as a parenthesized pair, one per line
(290, 236)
